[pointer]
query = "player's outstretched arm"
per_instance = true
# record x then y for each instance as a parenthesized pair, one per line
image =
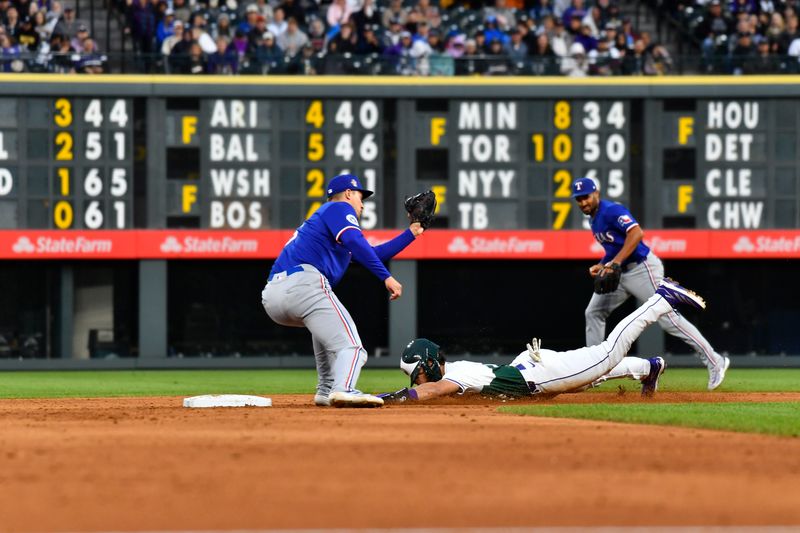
(391, 248)
(425, 391)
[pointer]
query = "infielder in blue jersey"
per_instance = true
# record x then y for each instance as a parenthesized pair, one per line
(299, 289)
(641, 271)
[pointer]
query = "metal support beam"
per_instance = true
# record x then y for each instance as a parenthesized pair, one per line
(152, 309)
(403, 312)
(66, 307)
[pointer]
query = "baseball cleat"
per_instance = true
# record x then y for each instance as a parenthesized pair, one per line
(322, 400)
(354, 399)
(650, 383)
(716, 375)
(674, 293)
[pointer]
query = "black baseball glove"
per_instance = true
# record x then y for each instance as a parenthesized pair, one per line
(608, 279)
(421, 208)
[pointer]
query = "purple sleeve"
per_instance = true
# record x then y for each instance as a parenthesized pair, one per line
(362, 252)
(391, 248)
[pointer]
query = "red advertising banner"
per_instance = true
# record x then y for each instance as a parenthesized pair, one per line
(436, 244)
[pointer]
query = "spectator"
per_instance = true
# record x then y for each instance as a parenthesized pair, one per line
(293, 39)
(292, 8)
(41, 26)
(345, 42)
(714, 24)
(789, 34)
(497, 64)
(517, 49)
(765, 61)
(440, 62)
(392, 37)
(222, 28)
(423, 31)
(493, 32)
(577, 9)
(250, 18)
(369, 42)
(455, 45)
(181, 10)
(197, 60)
(316, 34)
(593, 20)
(169, 42)
(527, 36)
(27, 37)
(268, 56)
(278, 24)
(576, 65)
(744, 6)
(574, 26)
(423, 11)
(586, 39)
(90, 62)
(395, 12)
(633, 62)
(544, 60)
(142, 23)
(338, 13)
(627, 30)
(266, 10)
(561, 41)
(224, 60)
(10, 54)
(473, 62)
(307, 63)
(178, 61)
(541, 10)
(164, 27)
(61, 54)
(12, 22)
(80, 38)
(368, 15)
(621, 43)
(503, 16)
(257, 31)
(202, 37)
(605, 60)
(658, 62)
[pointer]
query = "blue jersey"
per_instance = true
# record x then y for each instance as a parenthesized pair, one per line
(610, 226)
(316, 242)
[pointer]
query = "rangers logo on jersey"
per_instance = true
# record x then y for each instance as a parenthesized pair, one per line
(352, 219)
(624, 220)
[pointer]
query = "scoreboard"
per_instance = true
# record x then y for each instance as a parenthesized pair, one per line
(258, 163)
(127, 153)
(65, 163)
(510, 163)
(725, 164)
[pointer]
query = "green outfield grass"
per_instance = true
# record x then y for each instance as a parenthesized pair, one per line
(88, 383)
(780, 418)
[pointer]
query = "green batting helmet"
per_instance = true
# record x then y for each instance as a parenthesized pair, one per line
(422, 355)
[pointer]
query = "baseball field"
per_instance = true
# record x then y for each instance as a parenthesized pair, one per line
(116, 451)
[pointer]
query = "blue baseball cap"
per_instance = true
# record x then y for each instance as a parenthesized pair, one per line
(342, 182)
(583, 186)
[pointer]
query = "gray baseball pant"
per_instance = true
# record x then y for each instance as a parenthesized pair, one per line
(305, 299)
(641, 281)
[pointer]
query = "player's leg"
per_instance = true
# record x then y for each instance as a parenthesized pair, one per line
(596, 313)
(279, 305)
(333, 327)
(564, 371)
(324, 361)
(642, 284)
(629, 368)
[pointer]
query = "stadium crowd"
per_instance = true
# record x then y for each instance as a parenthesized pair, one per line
(407, 37)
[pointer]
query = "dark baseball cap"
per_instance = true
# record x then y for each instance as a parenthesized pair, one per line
(583, 186)
(343, 182)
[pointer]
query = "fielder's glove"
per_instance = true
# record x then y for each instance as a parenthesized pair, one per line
(608, 279)
(421, 208)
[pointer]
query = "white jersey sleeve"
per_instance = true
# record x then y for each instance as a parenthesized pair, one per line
(469, 376)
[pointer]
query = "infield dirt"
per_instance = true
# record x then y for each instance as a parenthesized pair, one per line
(138, 464)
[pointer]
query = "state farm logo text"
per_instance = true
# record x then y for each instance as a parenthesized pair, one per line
(483, 245)
(62, 245)
(767, 244)
(205, 245)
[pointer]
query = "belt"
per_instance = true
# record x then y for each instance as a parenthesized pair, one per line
(285, 274)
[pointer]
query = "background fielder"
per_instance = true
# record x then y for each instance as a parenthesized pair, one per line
(536, 371)
(637, 270)
(299, 290)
